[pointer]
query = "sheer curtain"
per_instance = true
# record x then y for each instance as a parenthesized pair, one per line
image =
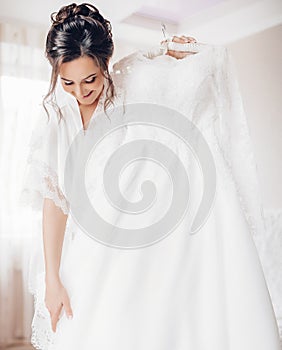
(24, 76)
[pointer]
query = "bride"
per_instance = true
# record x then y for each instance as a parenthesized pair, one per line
(104, 286)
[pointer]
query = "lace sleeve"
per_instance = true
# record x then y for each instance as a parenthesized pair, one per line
(235, 141)
(124, 65)
(41, 173)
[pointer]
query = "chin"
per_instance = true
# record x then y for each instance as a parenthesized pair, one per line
(86, 103)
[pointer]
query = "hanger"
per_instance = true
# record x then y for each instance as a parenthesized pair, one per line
(168, 44)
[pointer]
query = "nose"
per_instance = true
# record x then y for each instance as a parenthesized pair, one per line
(78, 91)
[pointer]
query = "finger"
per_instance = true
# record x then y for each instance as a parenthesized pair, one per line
(178, 39)
(55, 317)
(54, 320)
(68, 308)
(177, 54)
(188, 39)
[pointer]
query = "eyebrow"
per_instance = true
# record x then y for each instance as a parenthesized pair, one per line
(82, 79)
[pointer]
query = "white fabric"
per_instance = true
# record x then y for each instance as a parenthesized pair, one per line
(271, 257)
(205, 291)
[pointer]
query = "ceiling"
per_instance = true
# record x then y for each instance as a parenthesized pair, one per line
(139, 21)
(174, 11)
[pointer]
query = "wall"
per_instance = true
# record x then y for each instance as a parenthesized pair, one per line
(258, 61)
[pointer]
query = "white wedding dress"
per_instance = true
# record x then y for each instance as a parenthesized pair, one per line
(201, 291)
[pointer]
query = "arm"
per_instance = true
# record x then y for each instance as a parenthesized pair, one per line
(54, 223)
(124, 63)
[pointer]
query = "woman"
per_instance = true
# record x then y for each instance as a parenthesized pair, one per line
(82, 62)
(79, 47)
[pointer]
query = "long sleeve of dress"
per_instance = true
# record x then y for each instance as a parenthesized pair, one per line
(234, 139)
(41, 179)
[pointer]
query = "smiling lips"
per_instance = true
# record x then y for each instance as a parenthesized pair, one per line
(88, 94)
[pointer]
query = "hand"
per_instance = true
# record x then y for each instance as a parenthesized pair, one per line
(182, 40)
(56, 298)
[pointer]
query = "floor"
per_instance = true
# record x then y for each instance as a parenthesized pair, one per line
(32, 348)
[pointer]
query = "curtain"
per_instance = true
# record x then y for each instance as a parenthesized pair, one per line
(24, 74)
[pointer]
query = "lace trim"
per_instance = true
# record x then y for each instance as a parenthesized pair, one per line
(42, 335)
(42, 182)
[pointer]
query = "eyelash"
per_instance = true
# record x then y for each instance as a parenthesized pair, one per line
(87, 82)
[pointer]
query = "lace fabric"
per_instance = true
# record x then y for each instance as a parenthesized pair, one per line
(234, 140)
(43, 183)
(211, 96)
(42, 336)
(270, 252)
(41, 178)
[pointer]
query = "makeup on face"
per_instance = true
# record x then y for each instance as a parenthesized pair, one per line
(83, 79)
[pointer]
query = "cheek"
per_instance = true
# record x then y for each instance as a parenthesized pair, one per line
(66, 88)
(96, 85)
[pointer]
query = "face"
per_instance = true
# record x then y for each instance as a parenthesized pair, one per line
(83, 79)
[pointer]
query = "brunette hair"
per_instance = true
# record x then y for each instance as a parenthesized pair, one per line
(79, 30)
